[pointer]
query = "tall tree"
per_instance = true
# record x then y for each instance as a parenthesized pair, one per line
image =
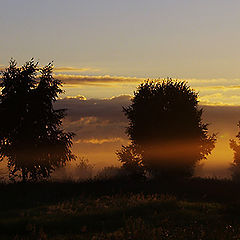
(166, 127)
(31, 137)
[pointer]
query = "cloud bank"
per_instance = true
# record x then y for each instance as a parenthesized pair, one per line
(211, 91)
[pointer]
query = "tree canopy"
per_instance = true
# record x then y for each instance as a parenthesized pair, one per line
(31, 137)
(166, 127)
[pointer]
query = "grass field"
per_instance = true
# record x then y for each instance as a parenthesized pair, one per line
(119, 209)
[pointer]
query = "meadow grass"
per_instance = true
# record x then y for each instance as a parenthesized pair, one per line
(120, 210)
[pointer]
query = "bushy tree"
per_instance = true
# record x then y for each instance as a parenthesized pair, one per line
(131, 161)
(31, 137)
(166, 128)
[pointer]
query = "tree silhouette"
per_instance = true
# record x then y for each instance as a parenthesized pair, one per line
(235, 168)
(165, 126)
(31, 137)
(131, 161)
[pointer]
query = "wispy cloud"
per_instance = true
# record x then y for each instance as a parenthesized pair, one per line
(220, 99)
(74, 69)
(101, 140)
(74, 79)
(78, 97)
(66, 69)
(93, 80)
(231, 87)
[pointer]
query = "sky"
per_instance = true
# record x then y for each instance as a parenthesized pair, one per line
(102, 49)
(137, 38)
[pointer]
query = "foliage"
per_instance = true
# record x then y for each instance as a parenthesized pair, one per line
(235, 167)
(31, 137)
(131, 161)
(165, 126)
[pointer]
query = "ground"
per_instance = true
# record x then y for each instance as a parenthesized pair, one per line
(121, 209)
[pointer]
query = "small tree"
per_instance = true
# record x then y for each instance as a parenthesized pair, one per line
(166, 128)
(131, 161)
(235, 166)
(31, 137)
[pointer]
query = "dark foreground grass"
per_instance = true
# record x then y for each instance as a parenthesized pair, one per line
(119, 209)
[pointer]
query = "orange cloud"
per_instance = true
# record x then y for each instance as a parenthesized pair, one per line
(219, 87)
(66, 69)
(78, 97)
(73, 69)
(100, 141)
(93, 80)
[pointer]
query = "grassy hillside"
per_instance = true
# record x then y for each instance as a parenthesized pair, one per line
(119, 209)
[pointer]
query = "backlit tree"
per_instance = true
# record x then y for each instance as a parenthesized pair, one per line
(31, 137)
(166, 128)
